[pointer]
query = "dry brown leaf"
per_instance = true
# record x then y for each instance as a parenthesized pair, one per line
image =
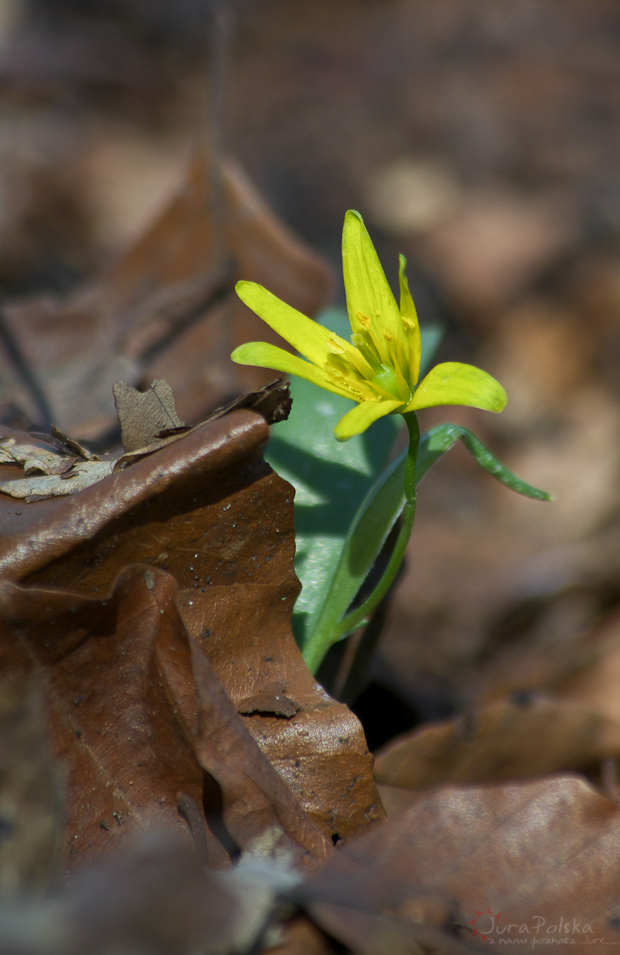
(256, 802)
(582, 671)
(537, 861)
(37, 535)
(31, 793)
(272, 401)
(369, 933)
(109, 720)
(510, 739)
(156, 897)
(496, 245)
(210, 527)
(167, 310)
(149, 422)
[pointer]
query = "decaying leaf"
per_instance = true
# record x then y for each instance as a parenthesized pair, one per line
(31, 793)
(81, 475)
(59, 474)
(273, 402)
(70, 444)
(513, 739)
(143, 415)
(525, 864)
(255, 799)
(157, 605)
(166, 310)
(155, 897)
(32, 457)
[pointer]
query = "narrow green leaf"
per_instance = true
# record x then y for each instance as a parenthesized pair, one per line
(435, 443)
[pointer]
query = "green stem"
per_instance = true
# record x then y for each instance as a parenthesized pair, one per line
(357, 616)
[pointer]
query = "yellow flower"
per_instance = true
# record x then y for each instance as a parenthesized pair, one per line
(380, 366)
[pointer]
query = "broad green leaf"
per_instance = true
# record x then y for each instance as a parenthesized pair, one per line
(330, 478)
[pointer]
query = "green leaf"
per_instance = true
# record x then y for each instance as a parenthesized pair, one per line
(330, 477)
(368, 532)
(376, 517)
(435, 443)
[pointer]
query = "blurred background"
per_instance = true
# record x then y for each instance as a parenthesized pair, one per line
(481, 140)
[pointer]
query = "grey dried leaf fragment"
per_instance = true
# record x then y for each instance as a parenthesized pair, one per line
(144, 414)
(81, 476)
(33, 458)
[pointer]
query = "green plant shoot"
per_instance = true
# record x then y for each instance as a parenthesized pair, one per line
(379, 370)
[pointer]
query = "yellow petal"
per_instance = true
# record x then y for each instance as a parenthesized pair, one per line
(265, 355)
(362, 416)
(368, 292)
(453, 383)
(410, 321)
(307, 337)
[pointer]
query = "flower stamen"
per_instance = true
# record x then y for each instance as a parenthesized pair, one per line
(335, 347)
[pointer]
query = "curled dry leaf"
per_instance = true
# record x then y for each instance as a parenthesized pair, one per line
(62, 469)
(105, 593)
(32, 457)
(149, 421)
(82, 474)
(528, 864)
(255, 799)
